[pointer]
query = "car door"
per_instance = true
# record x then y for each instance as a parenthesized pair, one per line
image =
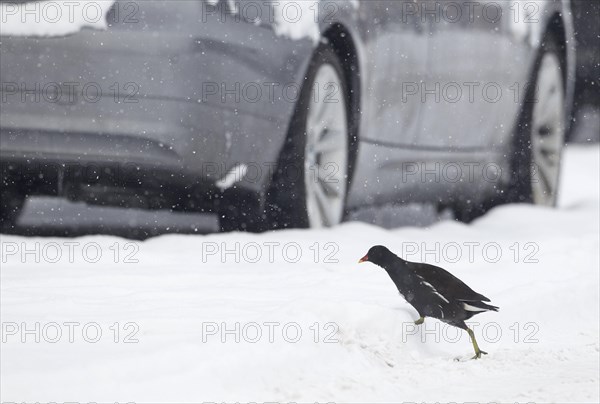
(395, 61)
(244, 78)
(397, 55)
(469, 93)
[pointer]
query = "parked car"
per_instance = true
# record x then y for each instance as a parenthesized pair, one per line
(289, 114)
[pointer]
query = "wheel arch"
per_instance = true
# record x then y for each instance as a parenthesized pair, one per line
(554, 33)
(345, 48)
(557, 29)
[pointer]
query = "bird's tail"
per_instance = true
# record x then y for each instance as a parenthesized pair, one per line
(476, 305)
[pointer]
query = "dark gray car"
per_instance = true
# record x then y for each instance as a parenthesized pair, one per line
(289, 114)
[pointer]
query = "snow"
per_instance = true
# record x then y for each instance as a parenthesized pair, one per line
(291, 18)
(52, 18)
(236, 174)
(177, 293)
(297, 19)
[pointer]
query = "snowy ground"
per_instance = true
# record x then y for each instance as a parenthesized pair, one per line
(186, 304)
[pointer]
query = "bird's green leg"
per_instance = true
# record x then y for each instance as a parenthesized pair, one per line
(420, 321)
(478, 351)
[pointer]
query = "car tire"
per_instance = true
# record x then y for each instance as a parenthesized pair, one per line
(540, 136)
(310, 184)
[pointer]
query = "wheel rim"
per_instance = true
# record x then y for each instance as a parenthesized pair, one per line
(548, 127)
(326, 154)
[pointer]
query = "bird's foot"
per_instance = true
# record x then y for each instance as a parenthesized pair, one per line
(478, 354)
(420, 321)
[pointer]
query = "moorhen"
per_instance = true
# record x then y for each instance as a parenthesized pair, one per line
(432, 291)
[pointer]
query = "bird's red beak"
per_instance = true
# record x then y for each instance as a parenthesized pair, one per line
(363, 259)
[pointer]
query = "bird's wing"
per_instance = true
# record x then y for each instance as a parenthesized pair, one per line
(446, 284)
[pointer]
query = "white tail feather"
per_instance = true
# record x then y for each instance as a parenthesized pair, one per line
(468, 307)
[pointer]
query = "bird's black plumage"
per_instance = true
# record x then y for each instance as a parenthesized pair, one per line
(431, 290)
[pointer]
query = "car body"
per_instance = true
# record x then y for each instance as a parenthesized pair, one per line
(587, 36)
(162, 107)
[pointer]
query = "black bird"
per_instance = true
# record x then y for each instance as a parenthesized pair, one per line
(432, 291)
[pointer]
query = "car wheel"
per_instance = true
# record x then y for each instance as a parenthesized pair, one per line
(311, 181)
(540, 140)
(11, 203)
